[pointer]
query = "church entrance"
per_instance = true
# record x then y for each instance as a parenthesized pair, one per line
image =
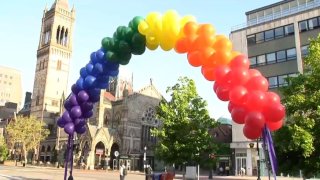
(99, 158)
(113, 159)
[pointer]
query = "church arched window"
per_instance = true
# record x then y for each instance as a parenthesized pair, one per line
(61, 36)
(106, 121)
(57, 35)
(66, 38)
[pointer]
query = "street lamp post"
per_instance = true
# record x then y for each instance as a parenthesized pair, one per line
(258, 161)
(145, 161)
(44, 108)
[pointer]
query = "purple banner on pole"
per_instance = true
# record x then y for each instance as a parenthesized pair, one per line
(267, 139)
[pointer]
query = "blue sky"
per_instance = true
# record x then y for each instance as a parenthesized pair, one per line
(20, 22)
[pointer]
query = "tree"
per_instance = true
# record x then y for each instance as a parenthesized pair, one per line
(183, 136)
(28, 132)
(300, 148)
(3, 150)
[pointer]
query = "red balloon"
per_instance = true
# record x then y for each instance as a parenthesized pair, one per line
(258, 83)
(221, 73)
(251, 132)
(273, 126)
(238, 114)
(240, 61)
(255, 119)
(208, 73)
(256, 100)
(223, 93)
(239, 76)
(274, 112)
(272, 97)
(231, 105)
(253, 73)
(238, 94)
(215, 86)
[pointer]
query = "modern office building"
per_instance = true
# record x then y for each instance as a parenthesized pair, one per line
(275, 38)
(10, 86)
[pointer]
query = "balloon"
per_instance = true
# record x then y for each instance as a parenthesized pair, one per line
(222, 43)
(93, 58)
(255, 119)
(89, 81)
(69, 128)
(75, 112)
(66, 117)
(239, 76)
(273, 126)
(83, 72)
(254, 73)
(195, 58)
(251, 132)
(86, 106)
(98, 68)
(256, 100)
(240, 61)
(274, 112)
(238, 115)
(87, 114)
(79, 83)
(215, 86)
(222, 93)
(80, 129)
(68, 105)
(73, 100)
(272, 97)
(208, 73)
(218, 58)
(231, 105)
(221, 72)
(89, 68)
(190, 28)
(61, 122)
(82, 96)
(238, 94)
(258, 83)
(79, 122)
(75, 89)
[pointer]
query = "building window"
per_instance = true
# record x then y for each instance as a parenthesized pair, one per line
(37, 100)
(269, 35)
(273, 82)
(303, 26)
(313, 23)
(54, 103)
(261, 60)
(281, 56)
(304, 50)
(251, 39)
(282, 80)
(278, 32)
(271, 58)
(59, 65)
(291, 54)
(253, 61)
(289, 30)
(260, 37)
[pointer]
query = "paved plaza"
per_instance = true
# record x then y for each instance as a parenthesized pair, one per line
(44, 173)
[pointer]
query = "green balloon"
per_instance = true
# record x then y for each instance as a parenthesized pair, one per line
(125, 58)
(124, 48)
(138, 49)
(128, 34)
(135, 22)
(106, 43)
(120, 33)
(138, 38)
(111, 56)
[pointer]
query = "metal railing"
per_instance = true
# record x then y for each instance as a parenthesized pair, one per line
(277, 15)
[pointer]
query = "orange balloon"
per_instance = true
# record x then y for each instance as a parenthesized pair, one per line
(222, 43)
(195, 58)
(207, 40)
(208, 73)
(220, 57)
(190, 28)
(190, 41)
(181, 46)
(206, 30)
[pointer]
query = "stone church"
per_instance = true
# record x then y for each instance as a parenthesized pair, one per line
(122, 122)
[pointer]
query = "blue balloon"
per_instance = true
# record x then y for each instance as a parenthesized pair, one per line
(75, 89)
(93, 58)
(83, 72)
(98, 68)
(80, 129)
(100, 54)
(102, 85)
(89, 68)
(89, 81)
(113, 73)
(79, 83)
(94, 95)
(109, 65)
(87, 114)
(103, 78)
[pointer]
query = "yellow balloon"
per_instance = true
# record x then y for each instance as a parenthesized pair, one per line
(143, 27)
(152, 46)
(184, 20)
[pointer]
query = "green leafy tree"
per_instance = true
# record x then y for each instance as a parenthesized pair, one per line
(28, 132)
(183, 136)
(300, 149)
(3, 150)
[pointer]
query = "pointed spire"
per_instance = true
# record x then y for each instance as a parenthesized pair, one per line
(61, 3)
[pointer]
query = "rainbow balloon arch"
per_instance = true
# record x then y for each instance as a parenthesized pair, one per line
(246, 89)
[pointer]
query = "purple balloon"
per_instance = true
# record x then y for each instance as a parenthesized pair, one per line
(87, 114)
(86, 106)
(79, 122)
(69, 128)
(68, 105)
(83, 96)
(73, 100)
(75, 112)
(75, 89)
(80, 129)
(66, 117)
(61, 122)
